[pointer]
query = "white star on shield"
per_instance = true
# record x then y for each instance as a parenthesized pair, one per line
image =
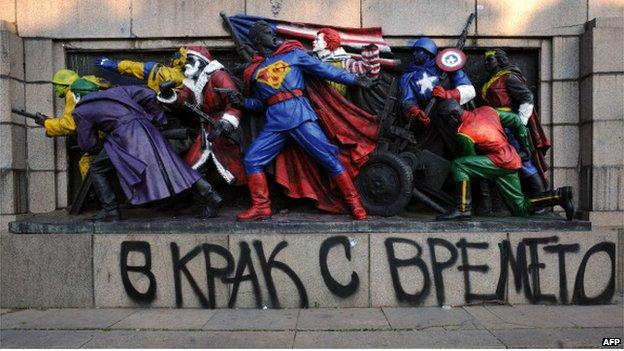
(426, 83)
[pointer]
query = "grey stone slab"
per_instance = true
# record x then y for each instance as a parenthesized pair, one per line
(109, 289)
(345, 13)
(588, 337)
(249, 319)
(148, 21)
(605, 181)
(565, 57)
(440, 20)
(19, 319)
(599, 316)
(36, 68)
(597, 270)
(606, 8)
(514, 18)
(342, 319)
(599, 101)
(608, 142)
(412, 279)
(60, 153)
(61, 189)
(192, 339)
(95, 19)
(13, 143)
(40, 150)
(83, 318)
(543, 338)
(41, 191)
(45, 339)
(39, 98)
(565, 146)
(565, 102)
(302, 255)
(165, 319)
(545, 102)
(396, 339)
(427, 317)
(607, 43)
(45, 271)
(525, 316)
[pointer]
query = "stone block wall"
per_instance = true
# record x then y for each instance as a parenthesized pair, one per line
(577, 70)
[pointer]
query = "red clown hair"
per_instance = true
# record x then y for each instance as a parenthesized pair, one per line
(332, 38)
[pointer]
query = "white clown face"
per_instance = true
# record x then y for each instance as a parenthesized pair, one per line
(192, 68)
(319, 43)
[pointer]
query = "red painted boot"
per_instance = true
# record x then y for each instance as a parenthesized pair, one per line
(351, 196)
(260, 203)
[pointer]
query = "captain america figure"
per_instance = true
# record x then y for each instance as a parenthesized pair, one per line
(275, 83)
(421, 81)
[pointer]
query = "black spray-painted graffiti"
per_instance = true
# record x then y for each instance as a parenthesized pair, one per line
(525, 270)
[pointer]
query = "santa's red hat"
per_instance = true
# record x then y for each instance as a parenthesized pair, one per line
(332, 38)
(200, 51)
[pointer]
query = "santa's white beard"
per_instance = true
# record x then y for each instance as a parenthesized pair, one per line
(192, 71)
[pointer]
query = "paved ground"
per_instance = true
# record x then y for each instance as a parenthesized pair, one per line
(429, 327)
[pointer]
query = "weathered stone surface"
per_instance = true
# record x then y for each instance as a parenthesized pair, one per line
(439, 20)
(605, 8)
(41, 191)
(54, 271)
(546, 60)
(514, 317)
(551, 17)
(599, 101)
(11, 51)
(302, 256)
(544, 105)
(110, 292)
(7, 10)
(36, 68)
(164, 318)
(608, 143)
(542, 338)
(40, 150)
(148, 20)
(19, 319)
(61, 189)
(588, 337)
(79, 318)
(600, 43)
(345, 13)
(565, 59)
(12, 96)
(397, 339)
(597, 270)
(565, 102)
(585, 137)
(342, 319)
(192, 339)
(7, 193)
(607, 218)
(603, 316)
(39, 98)
(40, 339)
(248, 319)
(565, 146)
(606, 180)
(428, 317)
(383, 293)
(91, 18)
(13, 146)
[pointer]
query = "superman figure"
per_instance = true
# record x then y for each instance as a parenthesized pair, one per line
(275, 83)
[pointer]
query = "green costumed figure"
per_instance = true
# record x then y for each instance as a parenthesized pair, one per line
(488, 155)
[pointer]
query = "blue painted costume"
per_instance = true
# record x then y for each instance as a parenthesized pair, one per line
(418, 82)
(278, 84)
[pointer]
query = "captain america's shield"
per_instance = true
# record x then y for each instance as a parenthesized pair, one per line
(451, 60)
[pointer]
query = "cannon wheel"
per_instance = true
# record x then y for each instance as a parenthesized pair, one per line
(385, 184)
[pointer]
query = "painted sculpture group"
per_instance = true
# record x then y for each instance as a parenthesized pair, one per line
(345, 126)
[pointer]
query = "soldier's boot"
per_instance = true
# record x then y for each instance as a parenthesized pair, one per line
(208, 197)
(108, 200)
(350, 195)
(535, 185)
(463, 208)
(260, 202)
(561, 196)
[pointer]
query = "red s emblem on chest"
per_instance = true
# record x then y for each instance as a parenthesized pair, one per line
(274, 74)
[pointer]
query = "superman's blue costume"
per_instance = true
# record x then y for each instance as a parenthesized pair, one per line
(306, 121)
(278, 88)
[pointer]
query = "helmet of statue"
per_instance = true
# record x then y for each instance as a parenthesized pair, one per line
(426, 44)
(64, 77)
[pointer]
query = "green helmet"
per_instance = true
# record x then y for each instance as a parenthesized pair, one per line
(64, 77)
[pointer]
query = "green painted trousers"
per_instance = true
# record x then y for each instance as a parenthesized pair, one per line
(507, 180)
